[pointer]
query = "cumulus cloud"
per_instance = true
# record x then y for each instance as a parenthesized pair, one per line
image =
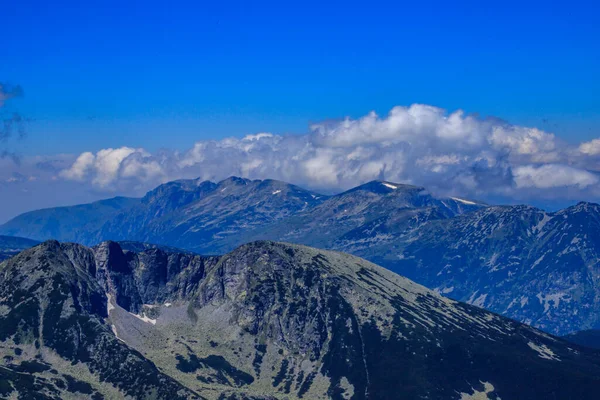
(591, 148)
(553, 176)
(449, 153)
(109, 165)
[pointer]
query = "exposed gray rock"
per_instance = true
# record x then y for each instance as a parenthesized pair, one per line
(52, 328)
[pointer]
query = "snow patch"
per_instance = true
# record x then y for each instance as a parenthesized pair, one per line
(109, 305)
(389, 185)
(524, 301)
(480, 395)
(114, 331)
(445, 290)
(276, 192)
(480, 301)
(464, 201)
(539, 260)
(144, 318)
(553, 300)
(545, 219)
(543, 351)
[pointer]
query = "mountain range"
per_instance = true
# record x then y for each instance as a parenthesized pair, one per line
(265, 321)
(519, 261)
(209, 217)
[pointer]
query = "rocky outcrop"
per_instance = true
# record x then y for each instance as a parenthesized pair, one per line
(52, 328)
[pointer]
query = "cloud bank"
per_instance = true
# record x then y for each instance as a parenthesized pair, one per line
(448, 153)
(420, 144)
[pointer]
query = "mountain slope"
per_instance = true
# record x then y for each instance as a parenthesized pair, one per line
(589, 338)
(187, 214)
(212, 217)
(370, 214)
(11, 245)
(66, 223)
(206, 212)
(268, 319)
(536, 267)
(53, 336)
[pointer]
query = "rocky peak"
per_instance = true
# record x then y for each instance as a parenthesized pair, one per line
(50, 280)
(175, 194)
(148, 276)
(234, 181)
(582, 207)
(384, 187)
(52, 315)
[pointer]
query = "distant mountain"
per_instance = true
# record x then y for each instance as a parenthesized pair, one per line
(537, 267)
(187, 214)
(193, 215)
(589, 338)
(212, 217)
(370, 214)
(266, 321)
(11, 245)
(71, 224)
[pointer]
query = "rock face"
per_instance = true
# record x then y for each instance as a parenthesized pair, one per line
(533, 266)
(268, 320)
(54, 338)
(11, 245)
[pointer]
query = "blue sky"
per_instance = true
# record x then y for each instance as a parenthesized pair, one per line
(122, 96)
(166, 74)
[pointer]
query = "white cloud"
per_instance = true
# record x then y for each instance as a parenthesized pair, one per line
(591, 148)
(109, 165)
(80, 167)
(450, 153)
(553, 176)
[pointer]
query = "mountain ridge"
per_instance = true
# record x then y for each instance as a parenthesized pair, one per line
(267, 320)
(68, 223)
(514, 260)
